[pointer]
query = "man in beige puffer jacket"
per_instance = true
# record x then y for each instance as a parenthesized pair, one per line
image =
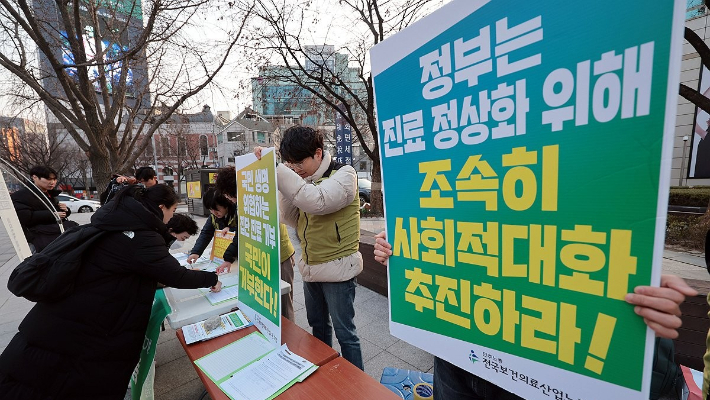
(319, 198)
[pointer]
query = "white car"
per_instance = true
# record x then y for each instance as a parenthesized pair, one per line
(78, 205)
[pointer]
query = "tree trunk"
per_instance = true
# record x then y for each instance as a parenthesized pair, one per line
(376, 189)
(100, 170)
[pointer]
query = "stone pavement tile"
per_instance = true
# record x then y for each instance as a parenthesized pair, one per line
(377, 333)
(413, 355)
(297, 306)
(16, 304)
(174, 374)
(697, 259)
(363, 294)
(189, 390)
(374, 366)
(10, 327)
(302, 320)
(167, 334)
(5, 340)
(376, 306)
(299, 297)
(364, 316)
(11, 316)
(169, 351)
(684, 270)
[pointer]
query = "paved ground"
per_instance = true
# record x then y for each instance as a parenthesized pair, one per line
(176, 378)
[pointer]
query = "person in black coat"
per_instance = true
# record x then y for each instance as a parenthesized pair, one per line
(32, 205)
(86, 345)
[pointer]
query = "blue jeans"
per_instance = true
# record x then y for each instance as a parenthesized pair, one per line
(326, 301)
(454, 383)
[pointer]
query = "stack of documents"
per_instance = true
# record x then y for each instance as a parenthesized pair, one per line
(230, 282)
(231, 322)
(251, 369)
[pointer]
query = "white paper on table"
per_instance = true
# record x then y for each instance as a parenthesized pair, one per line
(197, 332)
(234, 356)
(262, 379)
(223, 295)
(182, 259)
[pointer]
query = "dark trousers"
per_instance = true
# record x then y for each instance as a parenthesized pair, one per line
(453, 383)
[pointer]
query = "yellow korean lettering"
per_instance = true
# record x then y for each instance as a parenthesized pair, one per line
(621, 264)
(546, 323)
(550, 174)
(433, 171)
(485, 305)
(543, 257)
(583, 258)
(519, 156)
(478, 187)
(473, 236)
(511, 316)
(418, 280)
(570, 334)
(446, 293)
(511, 233)
(406, 244)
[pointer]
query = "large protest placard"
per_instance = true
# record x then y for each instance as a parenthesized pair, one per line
(526, 152)
(11, 222)
(259, 266)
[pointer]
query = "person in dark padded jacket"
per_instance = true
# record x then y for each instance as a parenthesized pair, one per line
(86, 345)
(38, 218)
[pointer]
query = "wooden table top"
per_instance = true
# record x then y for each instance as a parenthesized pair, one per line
(298, 340)
(338, 379)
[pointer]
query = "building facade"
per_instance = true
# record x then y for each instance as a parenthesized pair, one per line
(277, 96)
(239, 135)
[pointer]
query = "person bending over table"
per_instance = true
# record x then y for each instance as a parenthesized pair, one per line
(87, 344)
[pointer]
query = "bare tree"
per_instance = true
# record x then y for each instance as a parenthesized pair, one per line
(111, 72)
(24, 144)
(340, 85)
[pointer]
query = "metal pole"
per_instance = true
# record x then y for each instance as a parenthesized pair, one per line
(682, 162)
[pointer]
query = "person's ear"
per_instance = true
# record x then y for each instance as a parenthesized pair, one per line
(162, 207)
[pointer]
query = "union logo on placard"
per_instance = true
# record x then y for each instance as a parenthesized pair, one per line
(473, 357)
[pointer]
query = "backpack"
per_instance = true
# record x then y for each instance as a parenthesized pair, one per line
(49, 275)
(667, 378)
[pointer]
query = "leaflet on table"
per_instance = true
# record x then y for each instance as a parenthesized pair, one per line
(230, 279)
(268, 377)
(251, 361)
(221, 364)
(227, 293)
(182, 259)
(231, 322)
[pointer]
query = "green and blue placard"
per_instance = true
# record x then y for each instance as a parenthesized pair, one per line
(525, 152)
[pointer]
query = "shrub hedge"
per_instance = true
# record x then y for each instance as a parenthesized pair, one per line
(697, 196)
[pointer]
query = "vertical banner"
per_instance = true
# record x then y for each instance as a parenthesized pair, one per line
(259, 266)
(526, 152)
(144, 374)
(343, 140)
(12, 223)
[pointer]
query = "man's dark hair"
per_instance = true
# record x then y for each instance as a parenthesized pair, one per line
(212, 198)
(299, 143)
(226, 181)
(42, 171)
(145, 174)
(182, 223)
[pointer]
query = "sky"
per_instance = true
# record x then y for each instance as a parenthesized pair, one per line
(331, 24)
